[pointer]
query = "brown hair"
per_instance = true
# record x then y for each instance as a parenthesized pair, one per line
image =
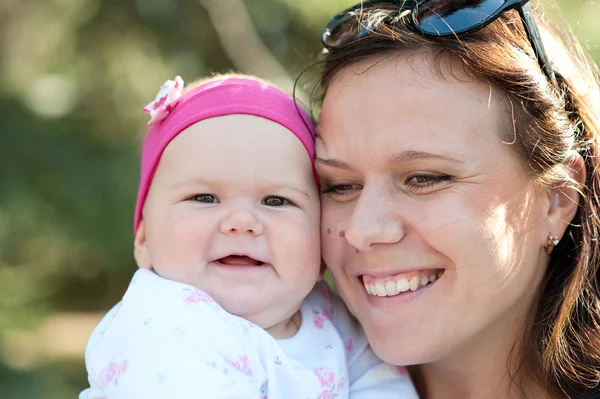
(552, 122)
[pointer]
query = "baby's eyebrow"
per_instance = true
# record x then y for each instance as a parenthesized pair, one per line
(286, 186)
(274, 186)
(192, 181)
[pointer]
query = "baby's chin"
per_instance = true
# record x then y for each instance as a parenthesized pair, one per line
(262, 314)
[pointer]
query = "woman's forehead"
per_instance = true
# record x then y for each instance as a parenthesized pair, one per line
(393, 94)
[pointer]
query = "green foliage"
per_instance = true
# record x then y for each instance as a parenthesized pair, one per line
(74, 76)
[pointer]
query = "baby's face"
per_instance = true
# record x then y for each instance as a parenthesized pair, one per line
(233, 209)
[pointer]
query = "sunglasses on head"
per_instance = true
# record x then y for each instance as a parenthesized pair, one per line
(433, 18)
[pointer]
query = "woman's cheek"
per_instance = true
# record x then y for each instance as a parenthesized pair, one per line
(333, 242)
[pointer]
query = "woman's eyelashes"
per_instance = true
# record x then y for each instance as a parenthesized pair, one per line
(426, 181)
(414, 183)
(340, 189)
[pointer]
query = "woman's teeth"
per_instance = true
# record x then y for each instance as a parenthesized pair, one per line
(394, 287)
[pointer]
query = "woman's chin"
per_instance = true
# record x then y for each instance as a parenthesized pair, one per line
(397, 355)
(404, 348)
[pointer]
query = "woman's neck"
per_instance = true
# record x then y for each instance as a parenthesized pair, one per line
(485, 368)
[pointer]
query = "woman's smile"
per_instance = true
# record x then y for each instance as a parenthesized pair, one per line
(388, 286)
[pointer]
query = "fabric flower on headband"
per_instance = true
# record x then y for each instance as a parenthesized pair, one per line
(165, 100)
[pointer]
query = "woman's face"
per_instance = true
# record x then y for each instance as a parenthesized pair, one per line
(417, 184)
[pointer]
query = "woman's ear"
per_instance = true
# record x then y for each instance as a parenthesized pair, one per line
(140, 249)
(564, 199)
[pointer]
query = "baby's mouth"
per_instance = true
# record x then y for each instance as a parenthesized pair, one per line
(239, 260)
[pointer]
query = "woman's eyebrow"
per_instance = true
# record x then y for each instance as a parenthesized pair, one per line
(406, 156)
(403, 156)
(334, 163)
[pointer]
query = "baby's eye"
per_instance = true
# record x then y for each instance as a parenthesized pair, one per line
(205, 199)
(274, 201)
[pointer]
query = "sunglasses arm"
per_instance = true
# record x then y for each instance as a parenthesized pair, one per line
(536, 39)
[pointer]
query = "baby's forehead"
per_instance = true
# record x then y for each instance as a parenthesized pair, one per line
(239, 121)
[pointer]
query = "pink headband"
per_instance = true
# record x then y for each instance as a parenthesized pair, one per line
(171, 112)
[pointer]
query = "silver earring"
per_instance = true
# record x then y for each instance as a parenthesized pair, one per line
(552, 243)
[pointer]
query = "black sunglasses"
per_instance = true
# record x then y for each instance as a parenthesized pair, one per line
(434, 18)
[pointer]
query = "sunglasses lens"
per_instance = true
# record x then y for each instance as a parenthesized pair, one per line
(357, 21)
(448, 17)
(341, 30)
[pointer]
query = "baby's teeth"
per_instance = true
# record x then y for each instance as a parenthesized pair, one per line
(432, 278)
(440, 274)
(391, 288)
(403, 285)
(414, 283)
(424, 281)
(380, 289)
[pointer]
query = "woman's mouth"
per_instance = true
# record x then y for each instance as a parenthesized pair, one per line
(399, 283)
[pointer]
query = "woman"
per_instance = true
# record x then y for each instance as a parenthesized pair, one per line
(457, 153)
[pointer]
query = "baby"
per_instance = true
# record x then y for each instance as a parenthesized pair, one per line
(227, 301)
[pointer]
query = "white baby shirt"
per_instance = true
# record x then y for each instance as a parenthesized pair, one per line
(170, 340)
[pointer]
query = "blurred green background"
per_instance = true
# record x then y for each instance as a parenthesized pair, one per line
(74, 76)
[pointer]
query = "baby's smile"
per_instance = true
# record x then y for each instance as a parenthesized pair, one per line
(239, 260)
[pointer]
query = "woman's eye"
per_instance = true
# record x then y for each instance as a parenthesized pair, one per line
(274, 201)
(340, 189)
(205, 199)
(424, 181)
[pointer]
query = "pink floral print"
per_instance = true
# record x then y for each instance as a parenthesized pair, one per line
(319, 321)
(326, 377)
(240, 364)
(327, 380)
(320, 316)
(196, 296)
(111, 372)
(341, 383)
(349, 345)
(325, 395)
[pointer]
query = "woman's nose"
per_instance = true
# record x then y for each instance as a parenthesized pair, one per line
(241, 220)
(374, 221)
